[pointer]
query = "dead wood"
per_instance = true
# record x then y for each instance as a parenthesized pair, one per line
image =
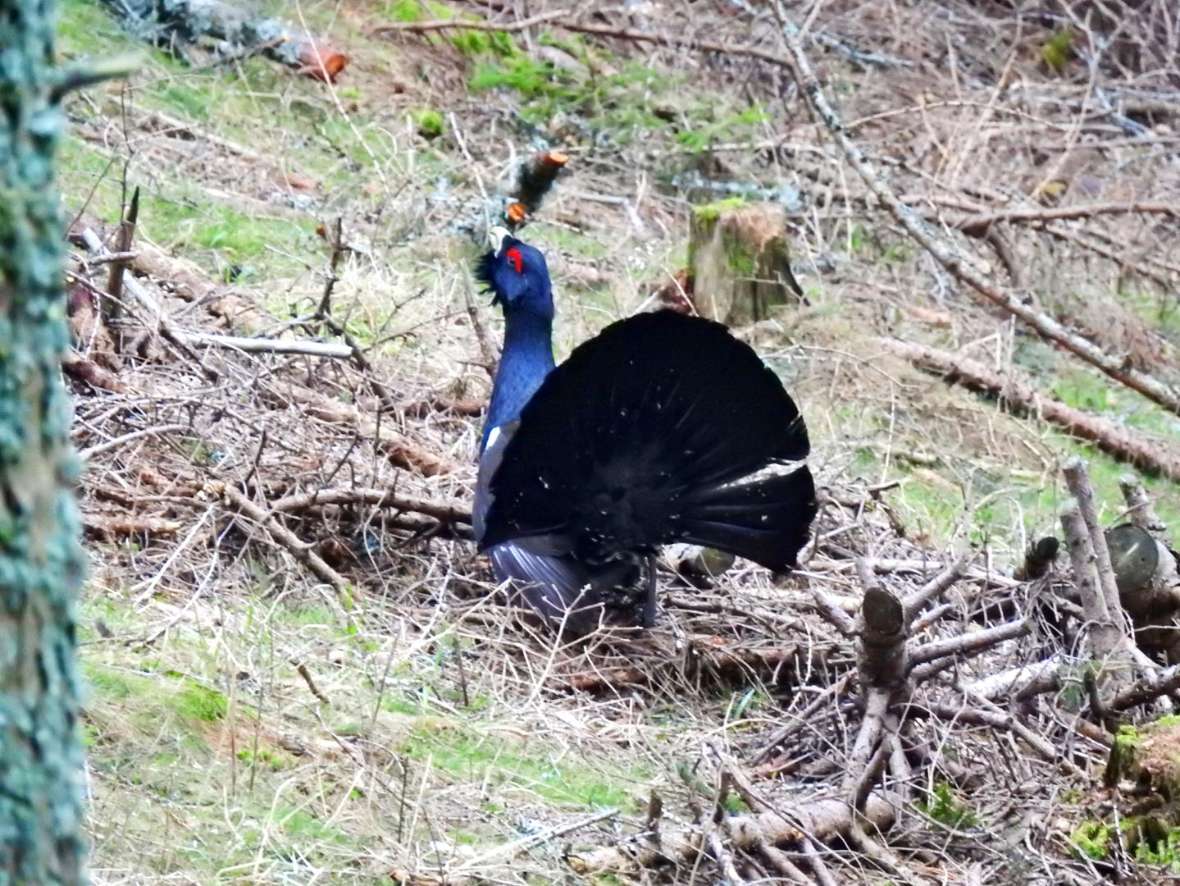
(181, 22)
(400, 450)
(111, 527)
(1018, 395)
(712, 657)
(422, 408)
(822, 820)
(90, 373)
(281, 535)
(882, 660)
(977, 224)
(111, 305)
(740, 263)
(444, 512)
(958, 265)
(560, 19)
(183, 278)
(158, 430)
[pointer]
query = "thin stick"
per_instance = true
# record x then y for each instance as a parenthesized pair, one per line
(115, 442)
(267, 345)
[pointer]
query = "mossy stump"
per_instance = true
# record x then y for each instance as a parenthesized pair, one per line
(740, 261)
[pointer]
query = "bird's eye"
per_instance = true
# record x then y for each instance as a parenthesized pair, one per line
(515, 259)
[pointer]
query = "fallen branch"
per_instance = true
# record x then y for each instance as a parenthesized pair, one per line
(145, 300)
(110, 528)
(1148, 688)
(281, 535)
(1019, 396)
(159, 430)
(953, 261)
(460, 24)
(975, 225)
(397, 448)
(557, 20)
(268, 345)
(1021, 682)
(89, 372)
(705, 654)
(381, 498)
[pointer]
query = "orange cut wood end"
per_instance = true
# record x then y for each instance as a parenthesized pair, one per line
(321, 62)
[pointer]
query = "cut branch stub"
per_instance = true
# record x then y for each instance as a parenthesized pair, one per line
(882, 631)
(740, 261)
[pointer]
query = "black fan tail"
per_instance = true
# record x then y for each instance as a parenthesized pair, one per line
(624, 437)
(766, 520)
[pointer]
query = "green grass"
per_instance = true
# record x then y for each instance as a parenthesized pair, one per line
(737, 126)
(944, 807)
(473, 756)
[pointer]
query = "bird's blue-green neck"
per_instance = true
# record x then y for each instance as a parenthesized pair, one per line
(526, 360)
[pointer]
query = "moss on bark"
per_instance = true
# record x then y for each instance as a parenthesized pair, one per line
(40, 559)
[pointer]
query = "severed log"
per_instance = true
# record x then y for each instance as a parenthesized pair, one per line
(1020, 397)
(534, 179)
(520, 197)
(740, 262)
(172, 22)
(1147, 572)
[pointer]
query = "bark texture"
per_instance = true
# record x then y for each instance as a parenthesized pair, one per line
(40, 560)
(740, 262)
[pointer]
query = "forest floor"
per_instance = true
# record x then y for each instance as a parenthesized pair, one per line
(290, 690)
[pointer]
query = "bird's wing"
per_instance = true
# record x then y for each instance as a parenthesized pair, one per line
(642, 427)
(540, 567)
(557, 587)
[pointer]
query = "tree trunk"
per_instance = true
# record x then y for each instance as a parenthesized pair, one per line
(41, 562)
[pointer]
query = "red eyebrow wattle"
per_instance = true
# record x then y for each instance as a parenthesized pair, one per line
(513, 255)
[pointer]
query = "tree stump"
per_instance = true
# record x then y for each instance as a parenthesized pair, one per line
(739, 261)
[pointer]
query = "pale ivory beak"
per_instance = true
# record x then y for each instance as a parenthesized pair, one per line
(496, 236)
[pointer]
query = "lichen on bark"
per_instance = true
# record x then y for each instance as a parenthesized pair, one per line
(41, 562)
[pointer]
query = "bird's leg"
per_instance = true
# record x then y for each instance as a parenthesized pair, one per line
(649, 603)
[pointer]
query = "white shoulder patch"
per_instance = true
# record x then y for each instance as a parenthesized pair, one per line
(493, 435)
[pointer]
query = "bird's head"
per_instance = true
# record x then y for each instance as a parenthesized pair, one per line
(517, 276)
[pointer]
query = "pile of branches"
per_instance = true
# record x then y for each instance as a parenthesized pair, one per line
(855, 766)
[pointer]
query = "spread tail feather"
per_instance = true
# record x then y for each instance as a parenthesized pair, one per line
(767, 520)
(647, 435)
